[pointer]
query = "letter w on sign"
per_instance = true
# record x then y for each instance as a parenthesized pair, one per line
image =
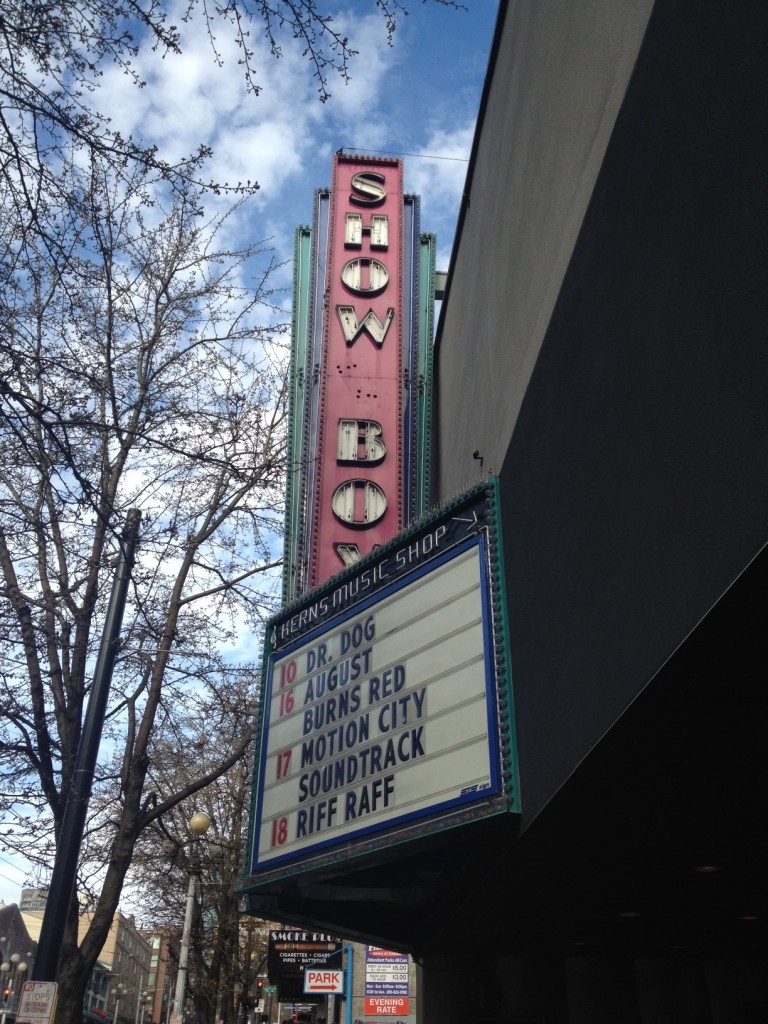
(370, 323)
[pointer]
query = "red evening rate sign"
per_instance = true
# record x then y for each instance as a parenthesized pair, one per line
(386, 1006)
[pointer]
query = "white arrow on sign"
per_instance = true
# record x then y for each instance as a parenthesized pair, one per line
(322, 980)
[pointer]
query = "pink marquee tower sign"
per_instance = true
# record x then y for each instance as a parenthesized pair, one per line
(358, 494)
(361, 373)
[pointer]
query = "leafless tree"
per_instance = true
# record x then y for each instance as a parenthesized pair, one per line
(142, 366)
(135, 373)
(52, 56)
(227, 950)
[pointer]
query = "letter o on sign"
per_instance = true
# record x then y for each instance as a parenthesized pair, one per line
(354, 276)
(359, 503)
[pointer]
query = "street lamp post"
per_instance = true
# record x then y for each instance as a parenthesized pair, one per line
(143, 1003)
(117, 994)
(347, 969)
(12, 971)
(199, 823)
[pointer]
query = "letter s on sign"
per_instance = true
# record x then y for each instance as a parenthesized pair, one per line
(369, 186)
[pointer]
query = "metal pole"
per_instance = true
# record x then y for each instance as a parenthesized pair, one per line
(118, 993)
(348, 985)
(6, 975)
(14, 979)
(167, 1004)
(140, 1001)
(181, 977)
(73, 822)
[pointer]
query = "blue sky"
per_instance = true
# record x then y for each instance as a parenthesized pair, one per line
(417, 99)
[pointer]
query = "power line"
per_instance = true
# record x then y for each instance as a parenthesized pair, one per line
(416, 156)
(13, 881)
(22, 871)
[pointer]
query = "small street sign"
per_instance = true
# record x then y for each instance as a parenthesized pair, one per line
(323, 980)
(37, 1002)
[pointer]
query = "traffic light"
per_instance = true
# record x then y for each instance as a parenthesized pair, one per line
(259, 988)
(6, 994)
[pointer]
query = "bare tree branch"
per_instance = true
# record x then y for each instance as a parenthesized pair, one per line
(135, 373)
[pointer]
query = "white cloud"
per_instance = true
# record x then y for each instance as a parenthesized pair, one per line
(358, 101)
(438, 177)
(400, 100)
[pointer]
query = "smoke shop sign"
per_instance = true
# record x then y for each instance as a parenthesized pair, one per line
(295, 949)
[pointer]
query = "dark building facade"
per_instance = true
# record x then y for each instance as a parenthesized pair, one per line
(602, 350)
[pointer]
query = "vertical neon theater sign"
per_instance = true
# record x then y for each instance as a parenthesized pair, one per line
(333, 764)
(361, 339)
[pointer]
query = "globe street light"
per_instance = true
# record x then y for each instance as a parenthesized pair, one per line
(12, 971)
(117, 994)
(199, 823)
(144, 1003)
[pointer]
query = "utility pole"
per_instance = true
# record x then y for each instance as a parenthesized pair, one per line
(73, 822)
